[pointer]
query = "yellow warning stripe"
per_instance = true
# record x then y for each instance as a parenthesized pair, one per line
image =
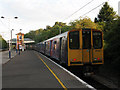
(52, 73)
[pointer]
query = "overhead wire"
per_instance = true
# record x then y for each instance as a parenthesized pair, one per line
(78, 10)
(86, 12)
(92, 9)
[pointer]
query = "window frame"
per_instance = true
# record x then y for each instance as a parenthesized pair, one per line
(101, 40)
(70, 46)
(89, 39)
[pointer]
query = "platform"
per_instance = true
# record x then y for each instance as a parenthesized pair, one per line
(5, 56)
(31, 69)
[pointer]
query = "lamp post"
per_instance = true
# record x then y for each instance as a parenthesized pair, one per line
(10, 43)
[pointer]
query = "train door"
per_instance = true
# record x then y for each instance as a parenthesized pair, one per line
(60, 51)
(97, 48)
(45, 48)
(74, 50)
(51, 47)
(86, 46)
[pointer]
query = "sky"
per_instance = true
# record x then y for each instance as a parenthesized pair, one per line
(36, 14)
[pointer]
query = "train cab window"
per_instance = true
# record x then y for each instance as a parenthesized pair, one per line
(74, 40)
(97, 40)
(86, 35)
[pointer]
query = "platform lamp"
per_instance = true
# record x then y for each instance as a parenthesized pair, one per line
(10, 43)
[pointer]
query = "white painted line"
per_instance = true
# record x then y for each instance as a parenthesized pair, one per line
(83, 82)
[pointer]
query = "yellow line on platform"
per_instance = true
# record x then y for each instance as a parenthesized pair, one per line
(52, 73)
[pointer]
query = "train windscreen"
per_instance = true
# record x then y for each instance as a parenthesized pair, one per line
(74, 40)
(86, 35)
(97, 40)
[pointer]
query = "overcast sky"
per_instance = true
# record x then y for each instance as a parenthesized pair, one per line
(35, 14)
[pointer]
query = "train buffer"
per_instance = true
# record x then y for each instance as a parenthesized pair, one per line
(34, 70)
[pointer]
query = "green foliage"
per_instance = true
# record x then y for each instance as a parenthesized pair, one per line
(40, 35)
(95, 20)
(3, 43)
(113, 41)
(109, 22)
(43, 34)
(66, 28)
(106, 17)
(83, 23)
(106, 14)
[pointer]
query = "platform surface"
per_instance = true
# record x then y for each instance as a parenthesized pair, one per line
(31, 69)
(5, 56)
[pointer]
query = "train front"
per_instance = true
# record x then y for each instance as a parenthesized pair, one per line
(85, 48)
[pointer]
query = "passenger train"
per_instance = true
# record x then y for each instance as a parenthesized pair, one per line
(81, 48)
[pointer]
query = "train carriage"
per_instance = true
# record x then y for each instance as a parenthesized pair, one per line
(76, 47)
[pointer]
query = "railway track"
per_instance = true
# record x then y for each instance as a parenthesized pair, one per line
(95, 83)
(76, 70)
(89, 79)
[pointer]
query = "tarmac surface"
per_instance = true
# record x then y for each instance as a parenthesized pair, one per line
(30, 69)
(5, 56)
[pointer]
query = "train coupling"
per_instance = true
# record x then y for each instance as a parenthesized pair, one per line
(88, 74)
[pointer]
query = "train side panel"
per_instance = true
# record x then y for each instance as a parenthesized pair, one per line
(64, 50)
(55, 48)
(74, 48)
(47, 48)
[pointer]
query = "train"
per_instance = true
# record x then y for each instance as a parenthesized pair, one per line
(82, 48)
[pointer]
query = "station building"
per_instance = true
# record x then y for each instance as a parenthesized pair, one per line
(26, 43)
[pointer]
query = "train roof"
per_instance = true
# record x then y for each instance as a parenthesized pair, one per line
(65, 34)
(58, 36)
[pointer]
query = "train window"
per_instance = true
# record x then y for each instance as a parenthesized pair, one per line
(86, 35)
(55, 42)
(97, 40)
(74, 40)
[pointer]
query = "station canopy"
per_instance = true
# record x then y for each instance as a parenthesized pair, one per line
(26, 41)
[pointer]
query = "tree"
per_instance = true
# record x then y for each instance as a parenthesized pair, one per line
(95, 20)
(3, 43)
(83, 23)
(112, 48)
(106, 17)
(48, 27)
(59, 24)
(66, 28)
(43, 34)
(106, 13)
